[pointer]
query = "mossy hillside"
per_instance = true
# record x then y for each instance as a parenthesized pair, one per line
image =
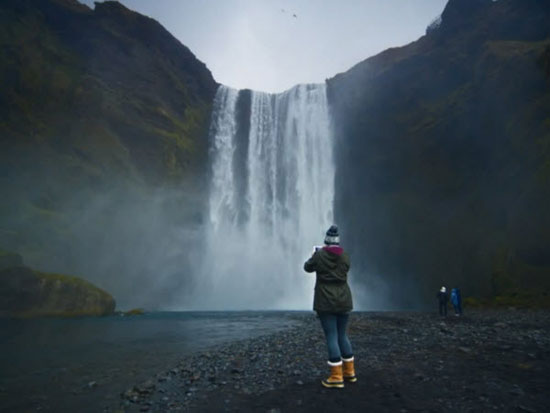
(86, 298)
(99, 109)
(27, 293)
(443, 160)
(74, 77)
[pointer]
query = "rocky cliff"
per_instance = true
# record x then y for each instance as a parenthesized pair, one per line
(88, 94)
(104, 119)
(443, 156)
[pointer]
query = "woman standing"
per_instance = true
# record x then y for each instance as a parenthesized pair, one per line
(333, 302)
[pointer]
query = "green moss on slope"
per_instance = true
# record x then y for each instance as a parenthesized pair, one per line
(26, 293)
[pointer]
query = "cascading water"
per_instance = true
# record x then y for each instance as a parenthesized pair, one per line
(271, 198)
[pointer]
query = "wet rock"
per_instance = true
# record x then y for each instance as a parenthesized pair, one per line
(145, 387)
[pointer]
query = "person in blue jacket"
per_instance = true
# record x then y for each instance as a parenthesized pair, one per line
(456, 300)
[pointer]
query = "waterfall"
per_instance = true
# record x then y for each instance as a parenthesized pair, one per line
(271, 198)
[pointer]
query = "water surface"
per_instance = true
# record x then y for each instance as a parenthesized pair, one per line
(47, 362)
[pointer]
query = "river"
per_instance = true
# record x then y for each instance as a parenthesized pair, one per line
(62, 364)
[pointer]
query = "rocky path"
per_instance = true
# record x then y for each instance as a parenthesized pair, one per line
(484, 361)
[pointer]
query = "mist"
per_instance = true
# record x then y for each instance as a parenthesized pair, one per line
(232, 236)
(136, 242)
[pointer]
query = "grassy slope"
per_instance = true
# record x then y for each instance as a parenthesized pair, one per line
(28, 293)
(102, 92)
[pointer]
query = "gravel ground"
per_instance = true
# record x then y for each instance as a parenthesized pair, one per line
(405, 362)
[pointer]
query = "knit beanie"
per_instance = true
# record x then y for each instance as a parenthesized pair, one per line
(332, 237)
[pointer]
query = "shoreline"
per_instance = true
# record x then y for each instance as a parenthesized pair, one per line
(487, 360)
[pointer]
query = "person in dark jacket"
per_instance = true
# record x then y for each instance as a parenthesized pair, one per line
(443, 297)
(333, 302)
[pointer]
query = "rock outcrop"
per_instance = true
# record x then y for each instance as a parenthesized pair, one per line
(27, 293)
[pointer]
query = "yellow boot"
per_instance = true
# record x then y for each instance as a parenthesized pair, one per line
(336, 378)
(349, 370)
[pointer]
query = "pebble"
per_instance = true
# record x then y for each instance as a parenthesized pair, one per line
(382, 342)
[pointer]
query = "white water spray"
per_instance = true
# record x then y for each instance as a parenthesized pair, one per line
(271, 199)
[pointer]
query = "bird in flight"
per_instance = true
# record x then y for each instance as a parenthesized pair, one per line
(293, 14)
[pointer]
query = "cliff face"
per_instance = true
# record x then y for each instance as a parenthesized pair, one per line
(443, 156)
(104, 118)
(96, 93)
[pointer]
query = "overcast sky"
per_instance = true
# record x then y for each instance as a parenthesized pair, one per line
(259, 44)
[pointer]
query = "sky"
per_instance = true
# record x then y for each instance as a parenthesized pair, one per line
(272, 45)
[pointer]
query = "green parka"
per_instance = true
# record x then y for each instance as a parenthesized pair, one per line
(332, 293)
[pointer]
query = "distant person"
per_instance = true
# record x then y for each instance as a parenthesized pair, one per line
(333, 303)
(443, 297)
(456, 300)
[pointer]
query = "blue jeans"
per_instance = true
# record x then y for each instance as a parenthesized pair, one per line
(334, 325)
